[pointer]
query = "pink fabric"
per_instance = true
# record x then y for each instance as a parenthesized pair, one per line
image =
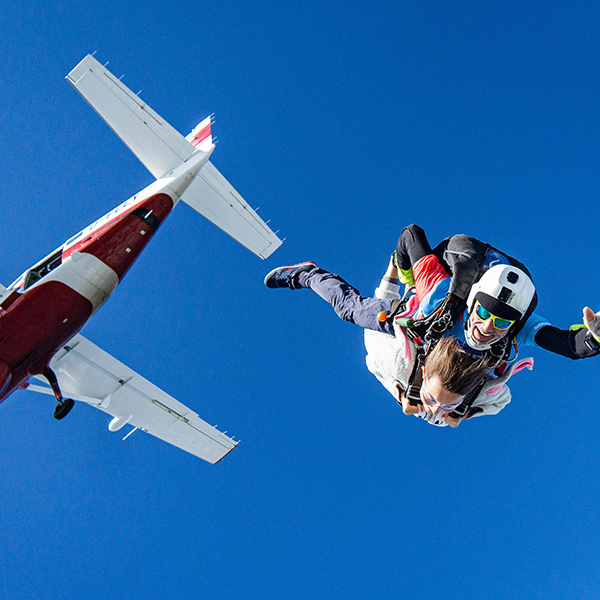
(518, 366)
(493, 390)
(407, 351)
(522, 364)
(411, 306)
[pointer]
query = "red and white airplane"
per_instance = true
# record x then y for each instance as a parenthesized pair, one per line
(42, 312)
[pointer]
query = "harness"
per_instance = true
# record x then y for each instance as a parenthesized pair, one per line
(415, 379)
(418, 332)
(415, 382)
(465, 406)
(427, 331)
(414, 332)
(432, 327)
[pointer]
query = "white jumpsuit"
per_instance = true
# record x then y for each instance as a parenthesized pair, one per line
(387, 360)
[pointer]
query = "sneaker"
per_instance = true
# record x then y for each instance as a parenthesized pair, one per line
(283, 277)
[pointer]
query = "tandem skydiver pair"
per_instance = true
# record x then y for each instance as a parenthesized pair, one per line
(463, 289)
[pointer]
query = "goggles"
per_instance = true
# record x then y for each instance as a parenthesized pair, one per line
(498, 322)
(433, 401)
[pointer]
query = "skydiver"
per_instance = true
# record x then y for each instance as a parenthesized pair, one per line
(497, 292)
(496, 289)
(387, 360)
(398, 366)
(499, 313)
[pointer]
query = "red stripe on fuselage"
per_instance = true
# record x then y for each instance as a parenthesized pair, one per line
(33, 328)
(46, 316)
(119, 242)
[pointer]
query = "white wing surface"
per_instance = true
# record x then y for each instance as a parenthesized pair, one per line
(87, 373)
(214, 198)
(161, 149)
(158, 146)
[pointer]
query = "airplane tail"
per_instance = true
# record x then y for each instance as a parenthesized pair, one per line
(201, 136)
(161, 149)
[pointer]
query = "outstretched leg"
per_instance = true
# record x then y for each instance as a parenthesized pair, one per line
(345, 299)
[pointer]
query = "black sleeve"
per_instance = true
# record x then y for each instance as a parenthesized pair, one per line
(574, 344)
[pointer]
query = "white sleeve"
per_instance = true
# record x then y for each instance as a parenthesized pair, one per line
(492, 404)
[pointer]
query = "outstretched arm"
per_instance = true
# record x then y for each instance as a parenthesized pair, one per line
(580, 341)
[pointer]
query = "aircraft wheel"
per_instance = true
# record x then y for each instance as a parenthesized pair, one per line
(63, 409)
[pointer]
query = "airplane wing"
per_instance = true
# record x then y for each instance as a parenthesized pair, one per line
(157, 145)
(88, 374)
(211, 195)
(161, 149)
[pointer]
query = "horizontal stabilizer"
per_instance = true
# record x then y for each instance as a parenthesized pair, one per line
(213, 197)
(158, 146)
(88, 374)
(162, 149)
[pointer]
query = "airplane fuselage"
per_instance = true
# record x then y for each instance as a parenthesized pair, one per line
(50, 303)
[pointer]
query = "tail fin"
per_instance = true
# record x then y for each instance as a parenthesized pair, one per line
(201, 136)
(161, 149)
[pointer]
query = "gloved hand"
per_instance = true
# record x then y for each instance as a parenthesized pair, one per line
(592, 322)
(453, 422)
(454, 305)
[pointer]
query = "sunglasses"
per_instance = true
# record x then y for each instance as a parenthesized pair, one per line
(498, 322)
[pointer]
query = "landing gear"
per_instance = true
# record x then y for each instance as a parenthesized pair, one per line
(64, 405)
(63, 408)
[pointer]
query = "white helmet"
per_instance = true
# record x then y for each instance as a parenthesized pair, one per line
(505, 291)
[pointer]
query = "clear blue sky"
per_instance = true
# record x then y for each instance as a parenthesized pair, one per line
(344, 122)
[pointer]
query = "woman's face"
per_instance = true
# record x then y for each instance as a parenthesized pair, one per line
(435, 397)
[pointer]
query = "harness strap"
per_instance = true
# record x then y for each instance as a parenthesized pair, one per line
(461, 410)
(415, 380)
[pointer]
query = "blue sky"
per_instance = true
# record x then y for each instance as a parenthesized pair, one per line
(344, 122)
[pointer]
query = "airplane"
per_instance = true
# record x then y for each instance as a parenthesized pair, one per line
(43, 311)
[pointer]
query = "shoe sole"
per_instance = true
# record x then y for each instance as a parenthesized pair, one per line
(270, 273)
